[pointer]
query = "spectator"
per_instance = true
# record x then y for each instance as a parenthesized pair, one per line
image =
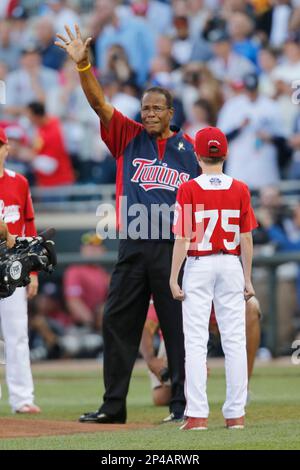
(86, 286)
(117, 64)
(127, 32)
(79, 124)
(198, 81)
(47, 324)
(18, 159)
(156, 14)
(272, 21)
(227, 65)
(281, 13)
(240, 27)
(128, 105)
(270, 201)
(32, 81)
(285, 241)
(164, 46)
(9, 50)
(198, 16)
(62, 14)
(182, 43)
(45, 35)
(252, 123)
(51, 163)
(202, 116)
(267, 61)
(289, 69)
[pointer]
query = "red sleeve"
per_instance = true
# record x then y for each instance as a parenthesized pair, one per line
(183, 216)
(189, 139)
(72, 284)
(248, 221)
(30, 229)
(120, 132)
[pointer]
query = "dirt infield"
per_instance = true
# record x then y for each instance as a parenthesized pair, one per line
(13, 427)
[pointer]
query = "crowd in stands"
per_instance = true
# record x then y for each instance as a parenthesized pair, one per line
(230, 63)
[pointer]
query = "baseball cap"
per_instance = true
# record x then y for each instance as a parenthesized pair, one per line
(250, 81)
(3, 136)
(91, 238)
(211, 142)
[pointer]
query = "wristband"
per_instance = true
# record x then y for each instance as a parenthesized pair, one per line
(84, 68)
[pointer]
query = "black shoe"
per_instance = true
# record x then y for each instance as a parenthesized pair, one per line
(173, 418)
(101, 418)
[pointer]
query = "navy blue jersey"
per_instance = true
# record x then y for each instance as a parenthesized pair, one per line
(149, 172)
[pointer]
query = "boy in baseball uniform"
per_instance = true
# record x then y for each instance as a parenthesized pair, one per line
(213, 224)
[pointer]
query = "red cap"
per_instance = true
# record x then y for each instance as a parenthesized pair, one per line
(211, 142)
(3, 137)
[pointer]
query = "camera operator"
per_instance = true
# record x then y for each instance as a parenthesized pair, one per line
(17, 219)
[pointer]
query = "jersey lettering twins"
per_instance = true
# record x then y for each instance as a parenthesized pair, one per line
(213, 210)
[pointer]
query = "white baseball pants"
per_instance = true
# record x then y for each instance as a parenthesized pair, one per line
(14, 324)
(219, 279)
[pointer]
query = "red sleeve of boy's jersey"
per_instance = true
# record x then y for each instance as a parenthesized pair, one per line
(120, 132)
(248, 221)
(182, 225)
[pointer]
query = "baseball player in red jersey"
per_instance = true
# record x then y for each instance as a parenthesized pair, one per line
(213, 224)
(17, 212)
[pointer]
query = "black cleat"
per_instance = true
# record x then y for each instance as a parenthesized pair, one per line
(101, 418)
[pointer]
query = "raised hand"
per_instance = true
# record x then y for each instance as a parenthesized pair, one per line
(74, 45)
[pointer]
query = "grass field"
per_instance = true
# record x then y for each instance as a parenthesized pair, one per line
(273, 418)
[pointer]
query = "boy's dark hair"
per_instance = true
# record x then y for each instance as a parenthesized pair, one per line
(212, 160)
(162, 91)
(37, 108)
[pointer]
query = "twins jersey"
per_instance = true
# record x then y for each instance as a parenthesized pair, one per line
(149, 171)
(16, 208)
(212, 211)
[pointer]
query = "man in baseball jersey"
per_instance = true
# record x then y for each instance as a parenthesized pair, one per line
(153, 159)
(213, 224)
(17, 212)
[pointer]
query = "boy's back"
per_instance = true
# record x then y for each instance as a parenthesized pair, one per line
(216, 208)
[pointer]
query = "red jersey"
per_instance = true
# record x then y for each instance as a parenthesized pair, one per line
(16, 205)
(52, 163)
(87, 282)
(152, 316)
(213, 210)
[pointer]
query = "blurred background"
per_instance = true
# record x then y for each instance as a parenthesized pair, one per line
(230, 63)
